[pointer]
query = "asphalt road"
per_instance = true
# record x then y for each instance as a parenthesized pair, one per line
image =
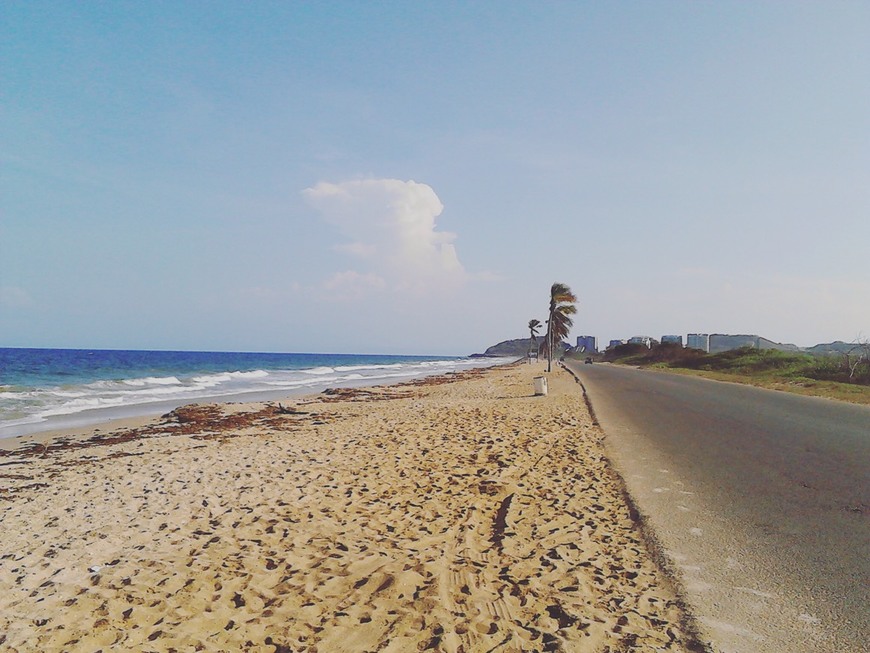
(760, 499)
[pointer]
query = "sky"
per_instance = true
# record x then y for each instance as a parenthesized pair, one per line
(395, 177)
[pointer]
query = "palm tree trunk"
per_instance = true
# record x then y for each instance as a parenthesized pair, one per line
(550, 343)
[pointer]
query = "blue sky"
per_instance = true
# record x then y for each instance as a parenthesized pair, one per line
(412, 177)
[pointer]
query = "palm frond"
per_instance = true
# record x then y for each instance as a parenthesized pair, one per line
(559, 325)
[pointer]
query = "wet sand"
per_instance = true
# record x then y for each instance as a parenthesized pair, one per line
(455, 513)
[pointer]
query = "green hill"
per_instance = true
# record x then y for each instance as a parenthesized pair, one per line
(518, 348)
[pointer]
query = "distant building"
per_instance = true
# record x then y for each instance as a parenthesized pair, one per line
(672, 340)
(723, 342)
(698, 341)
(646, 341)
(587, 344)
(615, 343)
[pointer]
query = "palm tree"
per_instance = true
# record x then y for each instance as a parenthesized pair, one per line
(534, 325)
(561, 309)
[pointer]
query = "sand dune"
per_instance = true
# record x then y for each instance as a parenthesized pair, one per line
(455, 514)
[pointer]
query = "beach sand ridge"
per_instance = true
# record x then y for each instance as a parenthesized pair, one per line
(457, 514)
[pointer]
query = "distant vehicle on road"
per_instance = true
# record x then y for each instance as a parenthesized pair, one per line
(588, 360)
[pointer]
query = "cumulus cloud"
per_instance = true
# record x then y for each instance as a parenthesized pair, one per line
(390, 226)
(352, 283)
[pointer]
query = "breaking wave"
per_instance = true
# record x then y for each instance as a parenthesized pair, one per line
(23, 408)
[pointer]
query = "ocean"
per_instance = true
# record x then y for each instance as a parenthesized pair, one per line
(47, 389)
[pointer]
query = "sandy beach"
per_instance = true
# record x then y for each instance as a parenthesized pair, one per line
(456, 513)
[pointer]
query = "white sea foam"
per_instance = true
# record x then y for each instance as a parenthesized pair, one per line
(79, 405)
(353, 368)
(320, 370)
(71, 394)
(254, 374)
(21, 408)
(211, 379)
(14, 395)
(152, 380)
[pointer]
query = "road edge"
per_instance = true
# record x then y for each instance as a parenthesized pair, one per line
(695, 642)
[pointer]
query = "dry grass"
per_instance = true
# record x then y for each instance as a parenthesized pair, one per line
(856, 394)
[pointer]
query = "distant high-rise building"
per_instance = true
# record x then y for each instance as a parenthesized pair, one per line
(698, 341)
(587, 344)
(673, 340)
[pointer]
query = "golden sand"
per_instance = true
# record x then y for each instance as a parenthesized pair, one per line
(454, 516)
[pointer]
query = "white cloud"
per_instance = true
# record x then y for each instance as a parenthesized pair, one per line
(391, 226)
(362, 250)
(353, 284)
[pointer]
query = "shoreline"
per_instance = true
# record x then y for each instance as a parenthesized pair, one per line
(106, 416)
(137, 420)
(455, 513)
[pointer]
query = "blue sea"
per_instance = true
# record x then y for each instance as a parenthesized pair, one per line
(45, 389)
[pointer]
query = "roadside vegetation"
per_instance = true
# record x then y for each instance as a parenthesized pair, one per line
(845, 377)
